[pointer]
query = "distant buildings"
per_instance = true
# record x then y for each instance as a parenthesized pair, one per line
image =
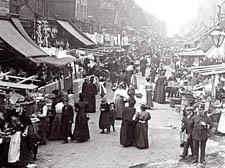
(91, 15)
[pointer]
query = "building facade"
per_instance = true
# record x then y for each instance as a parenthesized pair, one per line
(81, 10)
(64, 9)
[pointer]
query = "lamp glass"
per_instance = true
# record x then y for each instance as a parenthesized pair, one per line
(218, 38)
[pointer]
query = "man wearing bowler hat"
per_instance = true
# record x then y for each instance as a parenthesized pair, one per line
(199, 126)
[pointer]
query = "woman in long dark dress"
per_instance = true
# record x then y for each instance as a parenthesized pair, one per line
(81, 131)
(104, 122)
(91, 92)
(56, 130)
(128, 125)
(160, 89)
(141, 129)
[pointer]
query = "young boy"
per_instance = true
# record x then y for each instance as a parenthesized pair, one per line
(112, 115)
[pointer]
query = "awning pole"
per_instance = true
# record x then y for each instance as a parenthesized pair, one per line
(60, 87)
(75, 69)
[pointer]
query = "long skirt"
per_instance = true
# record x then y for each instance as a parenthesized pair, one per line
(81, 131)
(141, 135)
(119, 106)
(127, 133)
(104, 122)
(159, 94)
(91, 99)
(149, 101)
(56, 131)
(221, 124)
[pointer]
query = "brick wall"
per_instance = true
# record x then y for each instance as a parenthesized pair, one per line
(93, 10)
(63, 8)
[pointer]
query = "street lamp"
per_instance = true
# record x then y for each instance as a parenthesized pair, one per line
(217, 37)
(218, 34)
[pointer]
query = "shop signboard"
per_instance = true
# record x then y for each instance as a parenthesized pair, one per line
(107, 4)
(107, 11)
(4, 7)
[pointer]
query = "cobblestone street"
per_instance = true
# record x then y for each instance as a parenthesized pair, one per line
(69, 68)
(105, 151)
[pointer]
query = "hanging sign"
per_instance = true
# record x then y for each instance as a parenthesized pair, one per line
(4, 7)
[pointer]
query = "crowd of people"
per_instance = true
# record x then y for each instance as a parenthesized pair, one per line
(56, 120)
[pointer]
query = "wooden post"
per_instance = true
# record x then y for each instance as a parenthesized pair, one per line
(75, 73)
(213, 93)
(60, 86)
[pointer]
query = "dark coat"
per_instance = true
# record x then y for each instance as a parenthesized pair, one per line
(200, 132)
(81, 131)
(127, 127)
(91, 91)
(160, 90)
(67, 114)
(143, 63)
(186, 124)
(84, 87)
(104, 122)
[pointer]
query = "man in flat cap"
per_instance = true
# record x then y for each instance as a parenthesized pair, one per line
(186, 127)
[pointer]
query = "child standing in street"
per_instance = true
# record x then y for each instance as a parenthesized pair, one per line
(112, 116)
(104, 122)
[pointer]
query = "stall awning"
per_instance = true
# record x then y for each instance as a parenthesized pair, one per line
(75, 33)
(208, 70)
(13, 38)
(192, 53)
(18, 85)
(53, 60)
(20, 28)
(201, 34)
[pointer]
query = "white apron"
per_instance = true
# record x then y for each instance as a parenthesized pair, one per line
(14, 147)
(221, 124)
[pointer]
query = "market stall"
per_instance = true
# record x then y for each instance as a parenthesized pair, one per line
(191, 57)
(205, 86)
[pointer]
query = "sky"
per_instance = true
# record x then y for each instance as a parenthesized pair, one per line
(175, 13)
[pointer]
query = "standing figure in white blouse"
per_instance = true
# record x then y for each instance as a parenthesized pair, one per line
(119, 99)
(221, 124)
